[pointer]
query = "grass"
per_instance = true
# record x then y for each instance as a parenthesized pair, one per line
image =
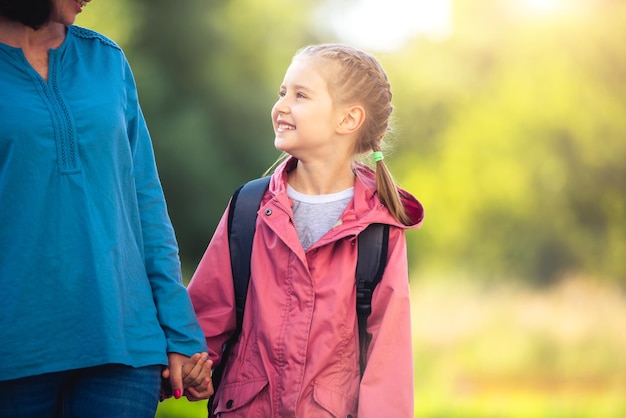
(510, 352)
(181, 408)
(515, 352)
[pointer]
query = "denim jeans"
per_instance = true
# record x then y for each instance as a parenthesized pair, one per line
(97, 392)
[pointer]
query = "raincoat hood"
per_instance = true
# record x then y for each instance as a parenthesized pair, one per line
(365, 210)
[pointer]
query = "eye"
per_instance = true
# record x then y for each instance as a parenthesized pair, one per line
(282, 93)
(301, 96)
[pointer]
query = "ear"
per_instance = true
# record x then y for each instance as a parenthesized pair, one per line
(353, 118)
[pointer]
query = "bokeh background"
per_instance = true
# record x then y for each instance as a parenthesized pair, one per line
(510, 127)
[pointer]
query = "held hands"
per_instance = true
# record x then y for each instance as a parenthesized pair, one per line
(197, 374)
(189, 376)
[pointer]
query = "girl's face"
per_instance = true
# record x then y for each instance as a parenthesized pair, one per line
(305, 116)
(65, 11)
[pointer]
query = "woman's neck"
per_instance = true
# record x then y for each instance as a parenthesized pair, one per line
(18, 35)
(35, 44)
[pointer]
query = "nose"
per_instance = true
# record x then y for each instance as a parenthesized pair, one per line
(281, 106)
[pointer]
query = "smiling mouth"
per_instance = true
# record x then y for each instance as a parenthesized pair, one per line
(283, 126)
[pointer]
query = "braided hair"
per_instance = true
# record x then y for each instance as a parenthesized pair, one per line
(357, 77)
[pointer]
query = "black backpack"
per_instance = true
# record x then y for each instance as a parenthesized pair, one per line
(372, 259)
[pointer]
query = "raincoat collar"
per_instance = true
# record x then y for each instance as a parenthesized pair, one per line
(366, 207)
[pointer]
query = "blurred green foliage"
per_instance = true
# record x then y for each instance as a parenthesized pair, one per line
(524, 173)
(511, 131)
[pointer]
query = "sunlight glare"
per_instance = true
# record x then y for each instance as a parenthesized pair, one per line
(542, 5)
(387, 24)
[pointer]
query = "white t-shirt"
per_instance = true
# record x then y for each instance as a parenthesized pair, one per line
(314, 215)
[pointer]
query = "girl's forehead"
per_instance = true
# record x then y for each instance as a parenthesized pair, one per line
(307, 70)
(318, 63)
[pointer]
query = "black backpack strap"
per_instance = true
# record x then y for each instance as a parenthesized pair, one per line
(373, 243)
(242, 214)
(241, 226)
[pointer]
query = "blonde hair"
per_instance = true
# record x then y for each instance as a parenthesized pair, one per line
(358, 77)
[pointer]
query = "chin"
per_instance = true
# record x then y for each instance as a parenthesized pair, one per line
(279, 144)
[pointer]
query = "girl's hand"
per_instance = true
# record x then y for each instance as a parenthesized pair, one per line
(197, 377)
(190, 376)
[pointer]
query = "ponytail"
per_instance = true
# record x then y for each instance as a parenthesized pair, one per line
(388, 191)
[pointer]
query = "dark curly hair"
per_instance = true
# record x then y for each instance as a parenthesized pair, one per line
(33, 13)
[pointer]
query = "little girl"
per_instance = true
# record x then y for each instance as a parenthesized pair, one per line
(298, 351)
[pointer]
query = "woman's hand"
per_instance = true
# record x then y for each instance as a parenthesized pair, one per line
(190, 376)
(197, 377)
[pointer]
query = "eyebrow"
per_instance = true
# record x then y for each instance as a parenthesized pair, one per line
(297, 87)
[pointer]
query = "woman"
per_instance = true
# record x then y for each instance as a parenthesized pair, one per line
(94, 310)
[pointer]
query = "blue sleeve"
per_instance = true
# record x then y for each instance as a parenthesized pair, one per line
(174, 309)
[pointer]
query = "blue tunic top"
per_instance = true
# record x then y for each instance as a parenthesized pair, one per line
(89, 268)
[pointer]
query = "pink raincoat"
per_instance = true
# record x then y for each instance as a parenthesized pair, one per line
(298, 352)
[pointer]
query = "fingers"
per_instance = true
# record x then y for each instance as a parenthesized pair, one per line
(194, 395)
(195, 370)
(190, 376)
(166, 388)
(197, 393)
(176, 362)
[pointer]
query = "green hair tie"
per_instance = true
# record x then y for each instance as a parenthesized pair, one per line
(378, 156)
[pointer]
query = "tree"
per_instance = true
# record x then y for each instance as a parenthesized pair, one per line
(520, 142)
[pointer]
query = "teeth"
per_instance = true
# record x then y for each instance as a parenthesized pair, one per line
(283, 126)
